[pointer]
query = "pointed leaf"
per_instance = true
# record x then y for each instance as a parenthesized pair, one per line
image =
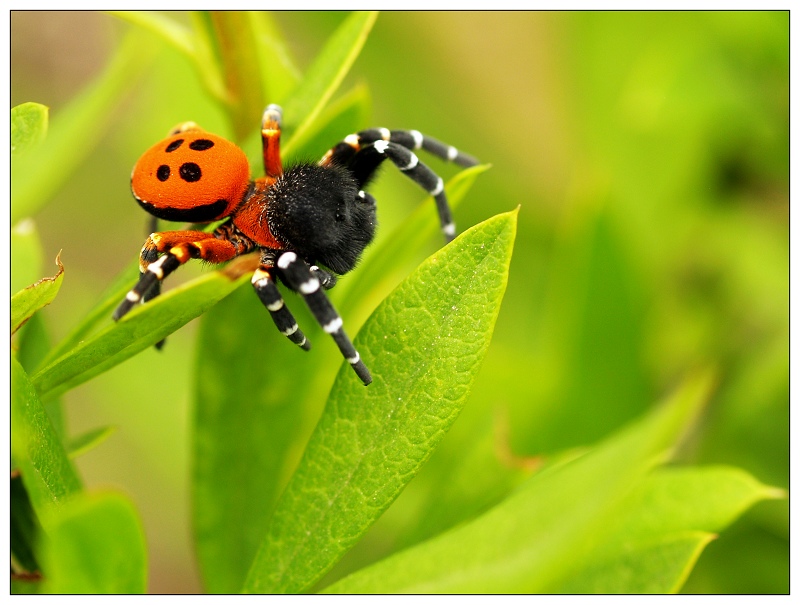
(661, 532)
(26, 302)
(540, 534)
(97, 316)
(87, 441)
(140, 329)
(324, 76)
(424, 345)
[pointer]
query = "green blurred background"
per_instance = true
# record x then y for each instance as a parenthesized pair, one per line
(649, 153)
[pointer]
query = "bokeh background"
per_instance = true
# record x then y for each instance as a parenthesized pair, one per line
(649, 153)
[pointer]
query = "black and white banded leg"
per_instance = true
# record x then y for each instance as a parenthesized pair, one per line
(149, 284)
(363, 152)
(268, 292)
(408, 163)
(300, 278)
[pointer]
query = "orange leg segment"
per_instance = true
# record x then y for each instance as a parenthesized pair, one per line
(271, 141)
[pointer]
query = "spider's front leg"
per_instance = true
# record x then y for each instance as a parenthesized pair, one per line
(364, 151)
(310, 285)
(177, 247)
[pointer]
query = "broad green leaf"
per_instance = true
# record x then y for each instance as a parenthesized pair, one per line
(87, 441)
(28, 126)
(76, 129)
(306, 102)
(26, 302)
(659, 534)
(96, 546)
(424, 345)
(141, 328)
(543, 532)
(47, 473)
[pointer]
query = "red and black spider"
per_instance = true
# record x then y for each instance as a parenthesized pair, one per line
(301, 220)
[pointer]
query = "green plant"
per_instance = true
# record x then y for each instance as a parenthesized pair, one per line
(285, 480)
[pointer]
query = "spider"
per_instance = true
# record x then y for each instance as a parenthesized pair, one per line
(310, 222)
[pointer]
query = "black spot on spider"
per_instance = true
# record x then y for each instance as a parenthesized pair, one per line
(162, 174)
(201, 144)
(174, 145)
(190, 172)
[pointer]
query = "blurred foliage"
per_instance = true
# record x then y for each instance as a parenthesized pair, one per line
(649, 155)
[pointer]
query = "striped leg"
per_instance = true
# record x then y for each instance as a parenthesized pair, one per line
(362, 153)
(299, 277)
(148, 284)
(413, 140)
(269, 294)
(408, 163)
(179, 247)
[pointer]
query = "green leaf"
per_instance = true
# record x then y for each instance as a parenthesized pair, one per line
(99, 314)
(663, 529)
(542, 533)
(26, 302)
(76, 130)
(87, 441)
(168, 29)
(424, 345)
(235, 45)
(26, 255)
(306, 102)
(279, 72)
(346, 114)
(38, 453)
(28, 126)
(140, 329)
(95, 547)
(257, 414)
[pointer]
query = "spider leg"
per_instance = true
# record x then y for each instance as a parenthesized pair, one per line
(300, 278)
(343, 152)
(178, 247)
(363, 152)
(326, 279)
(269, 294)
(271, 141)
